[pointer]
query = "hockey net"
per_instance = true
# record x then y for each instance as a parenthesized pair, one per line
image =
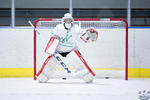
(107, 57)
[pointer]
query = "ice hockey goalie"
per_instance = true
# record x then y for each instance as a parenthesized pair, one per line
(63, 44)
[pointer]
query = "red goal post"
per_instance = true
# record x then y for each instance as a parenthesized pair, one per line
(84, 19)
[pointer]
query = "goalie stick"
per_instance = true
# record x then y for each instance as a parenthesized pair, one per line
(62, 63)
(34, 27)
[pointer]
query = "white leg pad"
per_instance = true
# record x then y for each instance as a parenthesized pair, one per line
(42, 78)
(48, 69)
(88, 78)
(76, 63)
(81, 67)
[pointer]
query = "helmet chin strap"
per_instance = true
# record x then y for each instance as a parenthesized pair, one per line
(68, 26)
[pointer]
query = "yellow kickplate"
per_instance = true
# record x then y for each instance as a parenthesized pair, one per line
(28, 72)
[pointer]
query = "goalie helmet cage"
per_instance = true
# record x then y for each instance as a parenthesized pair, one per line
(54, 22)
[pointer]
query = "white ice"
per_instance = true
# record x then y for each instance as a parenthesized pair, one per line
(72, 89)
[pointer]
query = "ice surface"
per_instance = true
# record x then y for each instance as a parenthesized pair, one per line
(72, 89)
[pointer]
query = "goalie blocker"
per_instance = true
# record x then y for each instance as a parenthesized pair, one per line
(52, 45)
(49, 66)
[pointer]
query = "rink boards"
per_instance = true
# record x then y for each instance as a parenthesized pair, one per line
(17, 53)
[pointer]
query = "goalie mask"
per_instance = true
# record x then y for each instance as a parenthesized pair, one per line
(67, 21)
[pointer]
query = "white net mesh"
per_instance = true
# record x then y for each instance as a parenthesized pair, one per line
(84, 24)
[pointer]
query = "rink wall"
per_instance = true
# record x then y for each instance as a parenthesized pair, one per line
(16, 53)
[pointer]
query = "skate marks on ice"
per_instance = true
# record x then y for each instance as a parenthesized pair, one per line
(72, 89)
(76, 82)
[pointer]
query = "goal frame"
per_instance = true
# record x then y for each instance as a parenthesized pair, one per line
(84, 19)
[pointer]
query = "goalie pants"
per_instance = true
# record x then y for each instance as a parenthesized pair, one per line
(64, 54)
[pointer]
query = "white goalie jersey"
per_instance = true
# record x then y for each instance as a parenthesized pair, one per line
(68, 38)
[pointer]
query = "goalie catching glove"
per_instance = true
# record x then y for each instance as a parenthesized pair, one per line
(90, 35)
